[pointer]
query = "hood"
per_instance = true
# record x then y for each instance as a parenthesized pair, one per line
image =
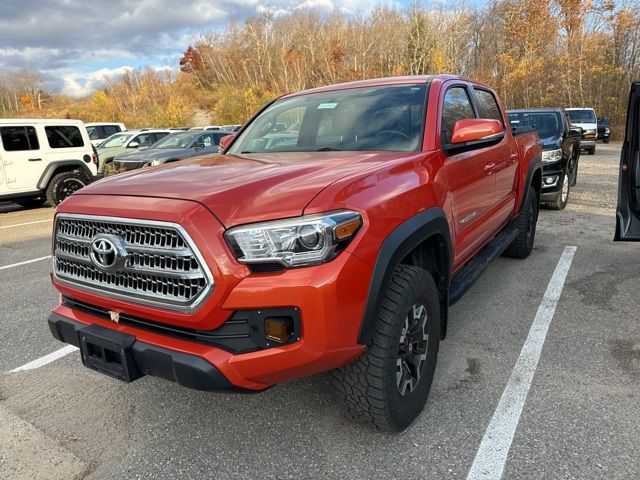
(551, 143)
(248, 188)
(134, 156)
(585, 125)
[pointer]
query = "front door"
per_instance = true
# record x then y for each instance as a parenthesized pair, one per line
(471, 182)
(628, 212)
(21, 157)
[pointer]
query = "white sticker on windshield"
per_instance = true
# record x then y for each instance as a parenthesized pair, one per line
(327, 106)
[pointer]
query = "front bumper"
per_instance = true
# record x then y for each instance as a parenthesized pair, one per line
(127, 166)
(587, 143)
(551, 182)
(184, 369)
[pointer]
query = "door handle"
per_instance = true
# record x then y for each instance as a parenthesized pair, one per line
(514, 156)
(489, 166)
(35, 159)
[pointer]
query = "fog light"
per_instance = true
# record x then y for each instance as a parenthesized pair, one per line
(550, 181)
(278, 329)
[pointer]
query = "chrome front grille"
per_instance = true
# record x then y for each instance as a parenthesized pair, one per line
(162, 267)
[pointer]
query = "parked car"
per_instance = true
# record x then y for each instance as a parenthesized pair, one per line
(341, 251)
(127, 142)
(100, 131)
(628, 211)
(207, 127)
(585, 118)
(44, 160)
(560, 151)
(173, 147)
(604, 129)
(231, 128)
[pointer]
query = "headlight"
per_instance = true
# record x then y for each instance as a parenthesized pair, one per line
(550, 156)
(607, 130)
(295, 242)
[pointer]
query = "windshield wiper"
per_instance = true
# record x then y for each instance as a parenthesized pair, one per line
(328, 149)
(246, 151)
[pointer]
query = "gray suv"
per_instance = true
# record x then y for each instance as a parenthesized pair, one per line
(173, 147)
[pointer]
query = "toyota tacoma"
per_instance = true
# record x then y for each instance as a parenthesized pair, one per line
(339, 248)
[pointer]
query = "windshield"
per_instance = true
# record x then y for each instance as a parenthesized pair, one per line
(582, 116)
(548, 124)
(116, 140)
(175, 140)
(380, 118)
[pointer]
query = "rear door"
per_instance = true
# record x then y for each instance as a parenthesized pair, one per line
(628, 213)
(21, 157)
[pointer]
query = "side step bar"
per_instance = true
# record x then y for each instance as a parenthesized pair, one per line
(462, 281)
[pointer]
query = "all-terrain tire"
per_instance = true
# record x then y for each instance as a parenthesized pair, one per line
(523, 244)
(374, 387)
(64, 184)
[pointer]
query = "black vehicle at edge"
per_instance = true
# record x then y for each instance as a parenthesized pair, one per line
(560, 151)
(604, 129)
(628, 211)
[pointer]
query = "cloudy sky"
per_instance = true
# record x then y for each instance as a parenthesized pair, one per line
(76, 43)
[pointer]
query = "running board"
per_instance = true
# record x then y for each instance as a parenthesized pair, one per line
(462, 281)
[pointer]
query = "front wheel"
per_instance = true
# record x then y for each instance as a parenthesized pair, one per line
(591, 151)
(388, 386)
(63, 185)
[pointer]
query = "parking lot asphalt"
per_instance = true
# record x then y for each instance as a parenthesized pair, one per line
(580, 419)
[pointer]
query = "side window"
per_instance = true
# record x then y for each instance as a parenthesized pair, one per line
(457, 106)
(144, 140)
(487, 105)
(64, 136)
(108, 130)
(206, 140)
(16, 139)
(94, 133)
(158, 135)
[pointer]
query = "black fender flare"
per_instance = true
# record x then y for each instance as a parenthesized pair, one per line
(398, 244)
(53, 168)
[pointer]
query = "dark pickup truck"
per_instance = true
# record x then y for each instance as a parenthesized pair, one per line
(560, 151)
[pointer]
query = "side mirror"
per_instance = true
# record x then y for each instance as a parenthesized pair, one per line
(575, 131)
(476, 129)
(225, 141)
(133, 145)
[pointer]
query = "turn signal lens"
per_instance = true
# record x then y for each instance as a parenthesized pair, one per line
(346, 229)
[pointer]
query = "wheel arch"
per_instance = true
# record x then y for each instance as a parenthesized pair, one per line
(424, 241)
(62, 166)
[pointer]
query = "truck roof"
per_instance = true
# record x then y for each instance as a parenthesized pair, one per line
(537, 109)
(49, 121)
(379, 82)
(580, 108)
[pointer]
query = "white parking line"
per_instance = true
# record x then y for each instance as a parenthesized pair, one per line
(39, 362)
(26, 223)
(26, 262)
(492, 455)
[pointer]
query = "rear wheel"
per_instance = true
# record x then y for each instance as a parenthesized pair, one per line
(388, 386)
(563, 195)
(64, 184)
(523, 244)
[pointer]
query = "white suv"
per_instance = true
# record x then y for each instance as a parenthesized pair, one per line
(44, 160)
(100, 131)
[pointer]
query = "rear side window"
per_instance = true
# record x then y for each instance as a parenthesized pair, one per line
(145, 140)
(16, 139)
(108, 130)
(64, 136)
(457, 106)
(158, 135)
(487, 105)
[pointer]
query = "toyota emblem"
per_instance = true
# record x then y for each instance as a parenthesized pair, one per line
(108, 252)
